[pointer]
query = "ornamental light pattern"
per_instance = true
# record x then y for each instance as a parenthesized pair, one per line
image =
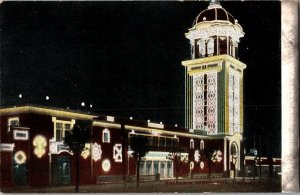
(234, 102)
(197, 156)
(117, 152)
(212, 102)
(198, 97)
(96, 151)
(205, 104)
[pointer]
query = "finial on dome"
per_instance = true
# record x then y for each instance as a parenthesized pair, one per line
(214, 4)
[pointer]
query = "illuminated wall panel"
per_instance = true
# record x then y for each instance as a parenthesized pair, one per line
(234, 102)
(212, 103)
(198, 101)
(205, 102)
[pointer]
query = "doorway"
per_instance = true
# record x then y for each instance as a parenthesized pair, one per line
(62, 170)
(20, 171)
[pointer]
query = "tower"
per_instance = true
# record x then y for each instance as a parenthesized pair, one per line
(214, 80)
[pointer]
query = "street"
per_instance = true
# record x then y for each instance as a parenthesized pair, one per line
(182, 186)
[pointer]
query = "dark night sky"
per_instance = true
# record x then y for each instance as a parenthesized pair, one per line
(125, 59)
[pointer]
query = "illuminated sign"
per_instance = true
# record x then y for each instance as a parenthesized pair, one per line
(21, 135)
(39, 143)
(155, 125)
(20, 157)
(7, 147)
(110, 118)
(106, 165)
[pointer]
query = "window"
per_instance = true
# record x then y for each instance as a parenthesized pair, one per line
(222, 45)
(60, 128)
(210, 46)
(201, 145)
(155, 141)
(201, 43)
(162, 142)
(191, 144)
(59, 132)
(12, 122)
(106, 136)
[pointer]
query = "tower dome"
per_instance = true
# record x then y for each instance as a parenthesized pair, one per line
(214, 12)
(214, 32)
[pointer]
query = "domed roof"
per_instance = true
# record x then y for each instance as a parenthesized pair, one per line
(214, 12)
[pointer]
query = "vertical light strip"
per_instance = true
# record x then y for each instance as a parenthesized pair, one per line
(290, 95)
(241, 105)
(225, 154)
(185, 98)
(198, 102)
(212, 89)
(226, 98)
(190, 102)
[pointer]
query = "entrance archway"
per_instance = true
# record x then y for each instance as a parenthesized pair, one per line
(234, 158)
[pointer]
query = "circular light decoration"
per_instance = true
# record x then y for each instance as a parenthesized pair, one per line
(39, 143)
(191, 165)
(20, 157)
(106, 165)
(96, 152)
(201, 165)
(217, 156)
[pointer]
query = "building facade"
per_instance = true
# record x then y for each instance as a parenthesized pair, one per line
(33, 152)
(32, 137)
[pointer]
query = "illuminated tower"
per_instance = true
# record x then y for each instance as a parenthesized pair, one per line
(214, 75)
(214, 81)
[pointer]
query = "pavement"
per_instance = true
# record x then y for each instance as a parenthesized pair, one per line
(166, 185)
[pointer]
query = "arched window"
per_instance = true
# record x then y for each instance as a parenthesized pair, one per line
(234, 149)
(222, 45)
(192, 144)
(201, 43)
(106, 136)
(201, 145)
(210, 46)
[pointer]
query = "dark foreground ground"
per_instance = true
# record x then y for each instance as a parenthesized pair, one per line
(183, 186)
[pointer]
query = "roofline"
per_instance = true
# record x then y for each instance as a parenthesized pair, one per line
(52, 111)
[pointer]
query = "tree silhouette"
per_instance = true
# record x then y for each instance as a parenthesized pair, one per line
(175, 156)
(210, 156)
(76, 140)
(138, 145)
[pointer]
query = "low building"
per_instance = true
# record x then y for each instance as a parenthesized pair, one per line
(33, 152)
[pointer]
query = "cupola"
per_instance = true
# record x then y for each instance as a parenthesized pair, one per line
(214, 32)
